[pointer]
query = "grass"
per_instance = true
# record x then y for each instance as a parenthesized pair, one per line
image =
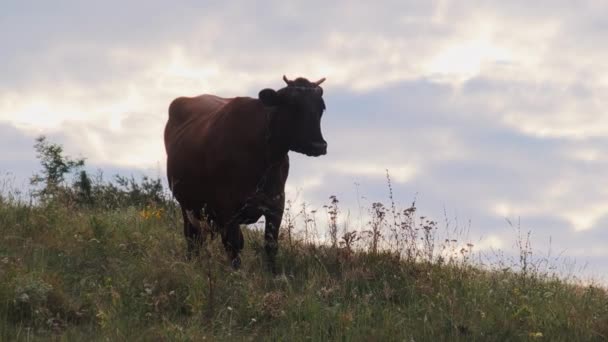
(75, 274)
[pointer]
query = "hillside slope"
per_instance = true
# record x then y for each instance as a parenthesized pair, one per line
(92, 274)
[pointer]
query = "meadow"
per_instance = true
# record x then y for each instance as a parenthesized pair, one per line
(97, 260)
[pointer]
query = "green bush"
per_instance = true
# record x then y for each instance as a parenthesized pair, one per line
(84, 191)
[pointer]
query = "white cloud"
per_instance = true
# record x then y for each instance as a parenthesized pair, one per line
(586, 216)
(400, 173)
(495, 108)
(490, 242)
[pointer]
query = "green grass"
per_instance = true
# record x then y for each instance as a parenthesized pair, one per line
(86, 274)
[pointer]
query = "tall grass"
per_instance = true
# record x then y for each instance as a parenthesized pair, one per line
(119, 273)
(96, 260)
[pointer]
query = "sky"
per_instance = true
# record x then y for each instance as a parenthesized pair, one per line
(482, 111)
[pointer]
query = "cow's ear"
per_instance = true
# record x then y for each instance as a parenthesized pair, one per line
(269, 97)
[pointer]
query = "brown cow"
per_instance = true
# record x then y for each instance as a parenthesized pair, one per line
(227, 159)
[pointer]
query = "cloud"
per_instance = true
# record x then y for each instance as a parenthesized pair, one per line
(17, 159)
(483, 110)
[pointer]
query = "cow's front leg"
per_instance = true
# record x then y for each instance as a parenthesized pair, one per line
(233, 241)
(273, 217)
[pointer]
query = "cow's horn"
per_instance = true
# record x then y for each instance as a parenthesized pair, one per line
(286, 80)
(318, 83)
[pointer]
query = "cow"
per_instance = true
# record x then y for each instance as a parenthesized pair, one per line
(227, 160)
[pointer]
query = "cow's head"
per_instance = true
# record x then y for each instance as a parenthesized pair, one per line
(300, 107)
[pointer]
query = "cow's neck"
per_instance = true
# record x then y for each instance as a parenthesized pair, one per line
(277, 138)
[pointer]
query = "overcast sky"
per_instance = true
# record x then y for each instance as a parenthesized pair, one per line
(485, 109)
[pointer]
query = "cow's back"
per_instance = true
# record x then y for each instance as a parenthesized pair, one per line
(184, 110)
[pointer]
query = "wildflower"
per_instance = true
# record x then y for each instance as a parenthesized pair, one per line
(150, 212)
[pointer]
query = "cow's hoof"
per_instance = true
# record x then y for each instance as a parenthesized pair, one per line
(236, 262)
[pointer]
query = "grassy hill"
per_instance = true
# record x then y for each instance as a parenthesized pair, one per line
(96, 260)
(75, 274)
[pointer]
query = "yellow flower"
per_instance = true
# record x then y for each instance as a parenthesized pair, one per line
(150, 212)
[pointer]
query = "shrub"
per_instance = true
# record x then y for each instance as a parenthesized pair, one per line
(85, 191)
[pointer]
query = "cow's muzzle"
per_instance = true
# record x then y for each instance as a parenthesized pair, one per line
(314, 149)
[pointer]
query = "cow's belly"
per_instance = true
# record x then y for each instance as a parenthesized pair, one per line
(227, 197)
(251, 212)
(250, 217)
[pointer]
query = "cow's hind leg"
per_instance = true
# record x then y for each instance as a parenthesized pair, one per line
(193, 232)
